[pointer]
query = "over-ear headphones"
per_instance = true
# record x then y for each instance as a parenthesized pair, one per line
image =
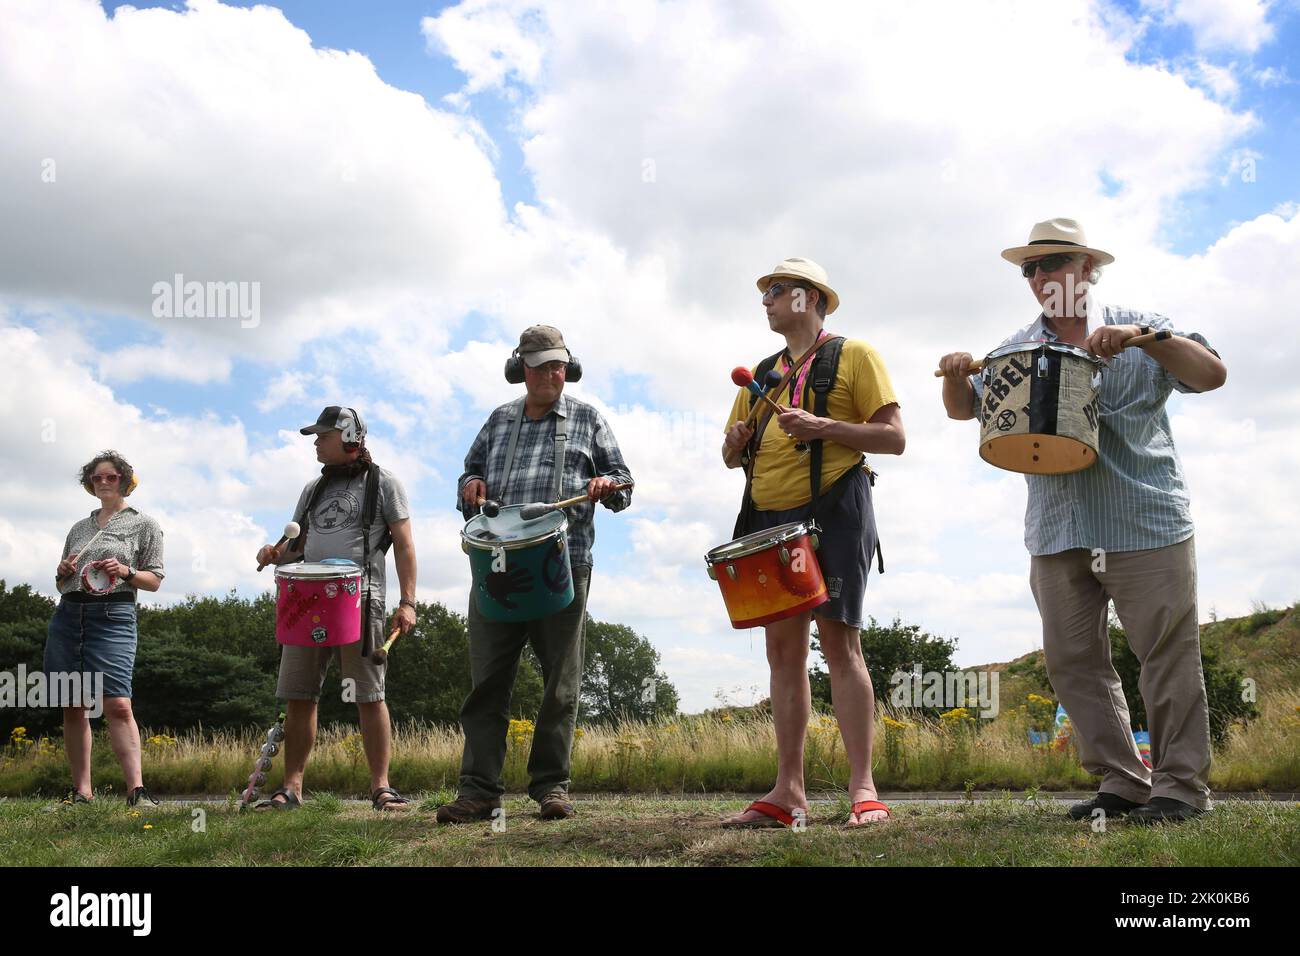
(515, 369)
(351, 429)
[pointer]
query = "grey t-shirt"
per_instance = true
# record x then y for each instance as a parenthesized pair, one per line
(335, 525)
(133, 538)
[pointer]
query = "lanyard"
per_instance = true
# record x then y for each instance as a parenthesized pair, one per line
(797, 383)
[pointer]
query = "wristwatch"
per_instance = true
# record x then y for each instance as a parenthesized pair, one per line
(405, 601)
(130, 573)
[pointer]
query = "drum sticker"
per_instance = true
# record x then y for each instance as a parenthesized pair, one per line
(350, 587)
(337, 511)
(555, 571)
(997, 388)
(296, 606)
(1006, 420)
(331, 590)
(318, 635)
(833, 586)
(501, 585)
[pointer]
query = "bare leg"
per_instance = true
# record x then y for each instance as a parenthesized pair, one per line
(299, 738)
(76, 741)
(125, 737)
(787, 656)
(855, 709)
(377, 736)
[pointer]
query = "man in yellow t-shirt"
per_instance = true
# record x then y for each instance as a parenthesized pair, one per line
(862, 415)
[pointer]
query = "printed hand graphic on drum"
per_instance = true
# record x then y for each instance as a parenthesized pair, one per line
(502, 584)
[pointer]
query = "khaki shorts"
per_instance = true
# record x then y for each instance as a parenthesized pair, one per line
(302, 669)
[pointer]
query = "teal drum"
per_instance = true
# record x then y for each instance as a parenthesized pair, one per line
(521, 568)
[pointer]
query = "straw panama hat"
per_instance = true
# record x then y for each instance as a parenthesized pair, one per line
(807, 271)
(1055, 235)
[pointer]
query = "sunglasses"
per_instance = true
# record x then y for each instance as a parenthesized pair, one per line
(1047, 264)
(105, 479)
(775, 290)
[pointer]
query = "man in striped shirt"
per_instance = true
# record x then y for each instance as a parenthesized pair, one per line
(1120, 529)
(542, 447)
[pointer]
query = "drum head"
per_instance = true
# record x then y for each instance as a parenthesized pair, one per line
(97, 580)
(759, 541)
(1038, 454)
(318, 570)
(1017, 347)
(509, 530)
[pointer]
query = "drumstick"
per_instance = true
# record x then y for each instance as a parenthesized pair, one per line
(1137, 341)
(380, 654)
(537, 509)
(490, 508)
(745, 379)
(291, 531)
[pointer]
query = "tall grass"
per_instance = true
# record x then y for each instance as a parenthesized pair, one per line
(685, 755)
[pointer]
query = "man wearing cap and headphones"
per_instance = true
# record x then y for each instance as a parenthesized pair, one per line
(1120, 529)
(542, 447)
(808, 463)
(355, 510)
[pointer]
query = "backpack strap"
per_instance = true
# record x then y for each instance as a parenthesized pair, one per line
(821, 380)
(304, 520)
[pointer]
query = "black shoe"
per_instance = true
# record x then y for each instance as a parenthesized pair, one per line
(138, 794)
(1111, 803)
(1165, 809)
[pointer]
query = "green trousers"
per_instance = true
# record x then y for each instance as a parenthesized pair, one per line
(494, 651)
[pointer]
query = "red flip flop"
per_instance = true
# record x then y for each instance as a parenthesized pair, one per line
(862, 806)
(773, 817)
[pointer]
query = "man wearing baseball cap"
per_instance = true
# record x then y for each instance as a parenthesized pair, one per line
(542, 447)
(1120, 529)
(355, 511)
(808, 463)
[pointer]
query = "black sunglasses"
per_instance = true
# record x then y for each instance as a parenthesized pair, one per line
(1047, 264)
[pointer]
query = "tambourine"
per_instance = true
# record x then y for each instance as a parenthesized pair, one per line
(96, 580)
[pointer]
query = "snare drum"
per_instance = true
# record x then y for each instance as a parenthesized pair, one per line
(769, 575)
(521, 568)
(96, 580)
(318, 604)
(1039, 413)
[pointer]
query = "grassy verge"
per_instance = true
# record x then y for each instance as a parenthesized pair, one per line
(636, 831)
(688, 755)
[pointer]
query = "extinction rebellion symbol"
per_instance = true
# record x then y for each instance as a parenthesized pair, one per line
(1007, 420)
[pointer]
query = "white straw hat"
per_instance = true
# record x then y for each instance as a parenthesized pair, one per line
(807, 271)
(1056, 235)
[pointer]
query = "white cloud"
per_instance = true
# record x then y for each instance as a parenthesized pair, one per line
(1219, 24)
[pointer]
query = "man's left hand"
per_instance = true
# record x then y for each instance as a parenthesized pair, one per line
(1108, 341)
(404, 618)
(798, 423)
(600, 488)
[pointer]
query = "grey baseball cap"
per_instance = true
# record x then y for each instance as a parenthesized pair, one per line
(540, 344)
(340, 418)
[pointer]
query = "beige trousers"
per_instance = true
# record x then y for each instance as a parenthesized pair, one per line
(1155, 597)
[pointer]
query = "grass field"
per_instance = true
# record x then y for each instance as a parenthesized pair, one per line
(639, 831)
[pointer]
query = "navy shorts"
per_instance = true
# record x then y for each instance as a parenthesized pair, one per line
(96, 638)
(847, 542)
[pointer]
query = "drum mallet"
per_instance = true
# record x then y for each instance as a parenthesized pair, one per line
(490, 508)
(291, 531)
(1137, 341)
(745, 379)
(537, 509)
(380, 654)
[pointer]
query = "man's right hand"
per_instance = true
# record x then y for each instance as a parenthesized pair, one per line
(738, 436)
(269, 554)
(956, 364)
(474, 489)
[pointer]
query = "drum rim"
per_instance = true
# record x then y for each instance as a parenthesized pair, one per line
(541, 538)
(296, 571)
(762, 540)
(1034, 346)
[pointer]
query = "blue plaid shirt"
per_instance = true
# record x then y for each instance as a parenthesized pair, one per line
(591, 451)
(1134, 498)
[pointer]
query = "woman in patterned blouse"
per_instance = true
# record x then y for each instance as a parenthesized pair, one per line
(107, 557)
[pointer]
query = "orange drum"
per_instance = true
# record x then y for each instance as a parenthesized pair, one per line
(769, 575)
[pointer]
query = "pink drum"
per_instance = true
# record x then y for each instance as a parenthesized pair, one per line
(318, 604)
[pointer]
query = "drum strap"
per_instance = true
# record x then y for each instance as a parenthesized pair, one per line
(561, 444)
